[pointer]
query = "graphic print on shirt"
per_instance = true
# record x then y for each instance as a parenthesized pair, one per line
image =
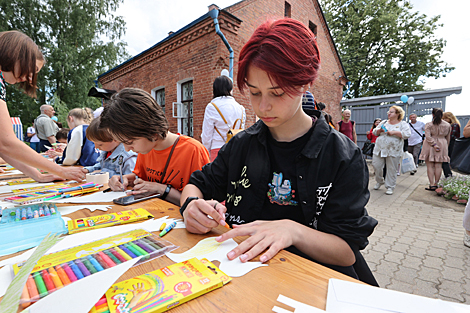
(281, 192)
(322, 195)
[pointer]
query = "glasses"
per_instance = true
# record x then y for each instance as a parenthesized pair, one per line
(391, 112)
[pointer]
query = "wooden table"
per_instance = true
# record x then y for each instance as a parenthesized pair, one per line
(257, 291)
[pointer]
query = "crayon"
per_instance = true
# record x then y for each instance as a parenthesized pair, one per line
(62, 275)
(112, 257)
(127, 251)
(32, 288)
(40, 284)
(55, 278)
(152, 243)
(103, 310)
(48, 281)
(12, 213)
(69, 272)
(47, 212)
(106, 258)
(95, 263)
(124, 254)
(101, 261)
(35, 214)
(102, 305)
(162, 227)
(148, 248)
(25, 299)
(52, 210)
(100, 302)
(29, 213)
(17, 215)
(23, 214)
(136, 248)
(41, 211)
(89, 266)
(82, 267)
(76, 270)
(117, 255)
(167, 229)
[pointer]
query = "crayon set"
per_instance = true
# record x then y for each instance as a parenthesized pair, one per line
(24, 227)
(63, 191)
(100, 307)
(163, 289)
(105, 220)
(24, 181)
(56, 270)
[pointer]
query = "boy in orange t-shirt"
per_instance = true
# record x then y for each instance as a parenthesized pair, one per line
(165, 161)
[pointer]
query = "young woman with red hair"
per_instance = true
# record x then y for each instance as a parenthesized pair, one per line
(290, 181)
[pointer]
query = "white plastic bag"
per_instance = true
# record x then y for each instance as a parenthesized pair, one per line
(408, 163)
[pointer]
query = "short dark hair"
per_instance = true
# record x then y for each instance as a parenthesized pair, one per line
(95, 133)
(62, 133)
(18, 47)
(222, 86)
(133, 113)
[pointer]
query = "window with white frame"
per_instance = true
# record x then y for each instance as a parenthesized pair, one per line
(160, 98)
(186, 125)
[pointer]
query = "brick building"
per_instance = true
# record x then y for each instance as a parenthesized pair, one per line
(182, 67)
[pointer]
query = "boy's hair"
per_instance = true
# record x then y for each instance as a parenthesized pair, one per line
(133, 113)
(222, 86)
(62, 133)
(286, 50)
(95, 133)
(399, 110)
(18, 47)
(85, 114)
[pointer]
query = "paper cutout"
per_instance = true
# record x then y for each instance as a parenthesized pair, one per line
(65, 210)
(82, 238)
(9, 188)
(90, 289)
(299, 307)
(12, 296)
(12, 172)
(94, 197)
(212, 250)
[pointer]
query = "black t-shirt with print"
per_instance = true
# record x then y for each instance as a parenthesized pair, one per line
(282, 201)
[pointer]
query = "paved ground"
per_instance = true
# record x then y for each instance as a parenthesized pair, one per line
(417, 248)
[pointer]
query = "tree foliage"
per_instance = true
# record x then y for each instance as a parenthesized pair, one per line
(79, 38)
(385, 46)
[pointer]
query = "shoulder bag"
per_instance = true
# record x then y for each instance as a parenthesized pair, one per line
(460, 161)
(232, 131)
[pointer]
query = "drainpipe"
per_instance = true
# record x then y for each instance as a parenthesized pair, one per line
(214, 13)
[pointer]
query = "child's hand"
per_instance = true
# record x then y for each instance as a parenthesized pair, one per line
(85, 170)
(271, 235)
(143, 186)
(116, 185)
(201, 216)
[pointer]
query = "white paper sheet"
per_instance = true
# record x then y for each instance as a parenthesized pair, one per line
(82, 238)
(64, 210)
(8, 188)
(299, 307)
(349, 297)
(94, 197)
(90, 289)
(212, 250)
(12, 172)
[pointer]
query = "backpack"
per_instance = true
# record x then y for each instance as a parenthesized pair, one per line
(232, 131)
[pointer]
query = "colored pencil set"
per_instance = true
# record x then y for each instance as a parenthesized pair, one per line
(56, 270)
(24, 181)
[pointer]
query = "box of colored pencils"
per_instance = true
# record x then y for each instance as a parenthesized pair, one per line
(105, 220)
(24, 227)
(163, 289)
(56, 270)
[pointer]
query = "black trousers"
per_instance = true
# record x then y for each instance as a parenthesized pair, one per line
(42, 144)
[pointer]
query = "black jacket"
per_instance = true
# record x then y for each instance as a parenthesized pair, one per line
(332, 181)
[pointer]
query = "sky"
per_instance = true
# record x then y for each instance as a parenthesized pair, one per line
(148, 22)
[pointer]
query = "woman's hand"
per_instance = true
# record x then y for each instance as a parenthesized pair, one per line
(436, 147)
(116, 185)
(46, 178)
(271, 235)
(73, 173)
(201, 216)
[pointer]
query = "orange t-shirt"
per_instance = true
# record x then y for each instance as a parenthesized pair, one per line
(189, 155)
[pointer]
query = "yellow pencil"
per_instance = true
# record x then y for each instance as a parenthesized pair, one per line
(163, 226)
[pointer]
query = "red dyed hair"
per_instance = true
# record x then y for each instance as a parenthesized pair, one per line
(286, 50)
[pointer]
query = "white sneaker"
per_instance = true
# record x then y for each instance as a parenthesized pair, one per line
(377, 186)
(389, 191)
(466, 240)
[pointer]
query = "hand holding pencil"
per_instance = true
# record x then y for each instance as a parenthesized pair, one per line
(116, 184)
(201, 216)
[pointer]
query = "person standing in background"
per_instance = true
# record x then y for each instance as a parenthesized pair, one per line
(221, 114)
(46, 128)
(347, 126)
(454, 134)
(34, 141)
(416, 139)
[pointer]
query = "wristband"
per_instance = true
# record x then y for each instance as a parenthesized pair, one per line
(166, 192)
(186, 203)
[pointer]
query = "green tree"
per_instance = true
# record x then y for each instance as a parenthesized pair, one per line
(80, 39)
(385, 46)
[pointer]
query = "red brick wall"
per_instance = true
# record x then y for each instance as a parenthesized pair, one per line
(200, 54)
